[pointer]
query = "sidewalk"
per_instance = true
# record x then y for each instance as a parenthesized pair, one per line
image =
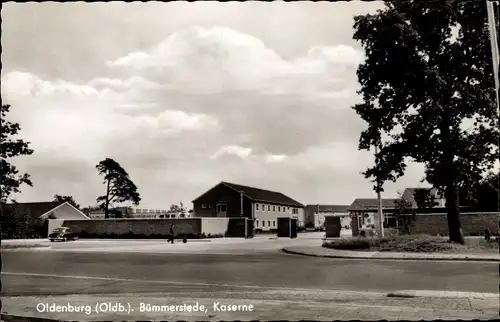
(318, 251)
(265, 305)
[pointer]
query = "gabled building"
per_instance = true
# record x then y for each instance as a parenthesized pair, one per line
(44, 210)
(363, 212)
(409, 195)
(233, 200)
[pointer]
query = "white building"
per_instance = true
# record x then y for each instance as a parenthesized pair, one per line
(140, 213)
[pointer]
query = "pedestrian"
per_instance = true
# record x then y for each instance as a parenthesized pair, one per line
(171, 234)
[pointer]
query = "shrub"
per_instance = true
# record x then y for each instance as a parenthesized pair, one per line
(348, 243)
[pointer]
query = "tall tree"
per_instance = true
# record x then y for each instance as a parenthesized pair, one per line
(119, 186)
(10, 147)
(69, 199)
(428, 69)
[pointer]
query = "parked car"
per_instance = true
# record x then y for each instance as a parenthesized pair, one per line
(62, 234)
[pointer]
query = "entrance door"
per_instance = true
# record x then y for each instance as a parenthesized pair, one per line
(221, 209)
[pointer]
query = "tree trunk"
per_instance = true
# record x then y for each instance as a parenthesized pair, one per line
(453, 214)
(449, 177)
(106, 209)
(449, 180)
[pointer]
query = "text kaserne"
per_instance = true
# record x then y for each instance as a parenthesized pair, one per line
(221, 307)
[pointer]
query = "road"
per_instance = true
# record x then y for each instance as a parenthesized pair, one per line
(242, 272)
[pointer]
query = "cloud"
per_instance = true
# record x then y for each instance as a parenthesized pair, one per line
(77, 121)
(275, 158)
(202, 94)
(217, 59)
(235, 150)
(25, 84)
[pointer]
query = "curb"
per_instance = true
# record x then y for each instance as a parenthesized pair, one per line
(18, 318)
(293, 252)
(442, 294)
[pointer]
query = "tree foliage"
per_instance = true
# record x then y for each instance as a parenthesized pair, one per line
(10, 147)
(119, 187)
(424, 198)
(484, 195)
(428, 69)
(69, 199)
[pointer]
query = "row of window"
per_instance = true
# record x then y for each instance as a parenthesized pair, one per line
(262, 207)
(263, 222)
(220, 207)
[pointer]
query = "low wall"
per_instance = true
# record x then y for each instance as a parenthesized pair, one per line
(189, 227)
(53, 224)
(182, 226)
(472, 223)
(214, 226)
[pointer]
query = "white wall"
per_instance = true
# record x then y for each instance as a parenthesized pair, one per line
(53, 224)
(66, 211)
(214, 225)
(271, 213)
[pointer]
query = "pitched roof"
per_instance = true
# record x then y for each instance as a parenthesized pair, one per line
(409, 194)
(372, 203)
(328, 208)
(264, 195)
(32, 209)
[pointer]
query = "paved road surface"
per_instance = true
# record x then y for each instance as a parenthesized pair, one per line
(240, 273)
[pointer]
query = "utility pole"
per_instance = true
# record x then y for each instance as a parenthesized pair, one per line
(379, 198)
(490, 7)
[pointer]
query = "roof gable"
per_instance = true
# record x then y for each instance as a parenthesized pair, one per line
(328, 208)
(409, 194)
(262, 195)
(32, 209)
(372, 203)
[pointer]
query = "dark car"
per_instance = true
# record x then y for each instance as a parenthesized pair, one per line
(62, 234)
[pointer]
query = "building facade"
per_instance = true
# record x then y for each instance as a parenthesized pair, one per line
(263, 206)
(363, 213)
(315, 215)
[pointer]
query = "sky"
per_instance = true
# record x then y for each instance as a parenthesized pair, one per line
(185, 95)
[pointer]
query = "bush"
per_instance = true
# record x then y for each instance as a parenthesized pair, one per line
(348, 244)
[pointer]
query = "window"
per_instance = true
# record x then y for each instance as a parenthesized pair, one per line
(274, 223)
(274, 208)
(279, 209)
(295, 211)
(268, 208)
(221, 207)
(203, 206)
(269, 223)
(210, 206)
(263, 223)
(257, 206)
(257, 223)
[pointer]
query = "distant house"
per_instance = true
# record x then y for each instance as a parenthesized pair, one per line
(233, 200)
(315, 214)
(409, 195)
(363, 212)
(42, 210)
